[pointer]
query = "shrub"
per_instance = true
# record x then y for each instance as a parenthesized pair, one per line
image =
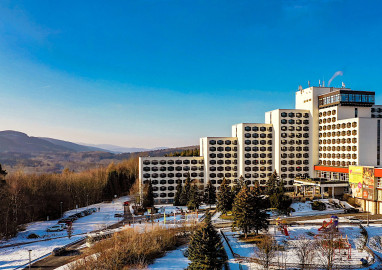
(32, 236)
(317, 205)
(131, 248)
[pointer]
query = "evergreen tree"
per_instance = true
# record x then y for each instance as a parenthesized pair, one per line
(148, 196)
(3, 173)
(206, 251)
(248, 213)
(279, 200)
(194, 200)
(185, 195)
(224, 198)
(238, 184)
(272, 183)
(178, 193)
(209, 194)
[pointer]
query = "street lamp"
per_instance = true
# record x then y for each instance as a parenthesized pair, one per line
(61, 208)
(29, 250)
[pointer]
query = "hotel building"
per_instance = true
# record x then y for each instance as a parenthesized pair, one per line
(312, 146)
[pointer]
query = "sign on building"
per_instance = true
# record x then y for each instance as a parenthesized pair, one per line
(362, 182)
(355, 180)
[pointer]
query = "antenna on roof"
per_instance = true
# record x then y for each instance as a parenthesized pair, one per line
(319, 83)
(308, 83)
(323, 83)
(343, 85)
(300, 88)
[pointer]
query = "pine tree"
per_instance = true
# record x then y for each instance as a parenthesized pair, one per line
(237, 186)
(272, 183)
(279, 200)
(194, 200)
(224, 198)
(148, 196)
(178, 193)
(248, 213)
(185, 195)
(209, 194)
(206, 251)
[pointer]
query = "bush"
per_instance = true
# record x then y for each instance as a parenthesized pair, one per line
(131, 249)
(33, 236)
(317, 205)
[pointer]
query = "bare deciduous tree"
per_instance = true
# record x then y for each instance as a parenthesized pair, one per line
(305, 250)
(266, 251)
(326, 246)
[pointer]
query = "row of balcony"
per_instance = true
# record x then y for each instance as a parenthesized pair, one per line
(221, 142)
(292, 155)
(220, 148)
(256, 149)
(171, 162)
(298, 142)
(262, 129)
(171, 168)
(292, 122)
(292, 148)
(293, 135)
(256, 142)
(172, 175)
(292, 114)
(256, 155)
(292, 169)
(293, 128)
(221, 155)
(256, 135)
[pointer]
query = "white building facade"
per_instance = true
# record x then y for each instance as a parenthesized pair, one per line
(329, 128)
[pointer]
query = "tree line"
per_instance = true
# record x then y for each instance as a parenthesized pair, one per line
(186, 153)
(31, 197)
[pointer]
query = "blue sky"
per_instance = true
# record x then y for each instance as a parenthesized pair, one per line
(165, 73)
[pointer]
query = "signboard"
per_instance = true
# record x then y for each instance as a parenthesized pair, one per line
(369, 184)
(362, 182)
(379, 195)
(355, 180)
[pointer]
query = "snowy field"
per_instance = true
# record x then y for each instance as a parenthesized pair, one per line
(172, 260)
(353, 232)
(11, 257)
(305, 209)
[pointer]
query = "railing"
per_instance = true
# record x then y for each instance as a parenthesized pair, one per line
(47, 254)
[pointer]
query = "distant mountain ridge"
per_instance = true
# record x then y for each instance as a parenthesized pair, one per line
(19, 142)
(121, 149)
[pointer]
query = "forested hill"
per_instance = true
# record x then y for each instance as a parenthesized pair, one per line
(55, 162)
(18, 142)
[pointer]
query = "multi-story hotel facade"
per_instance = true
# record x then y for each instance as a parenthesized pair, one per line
(314, 145)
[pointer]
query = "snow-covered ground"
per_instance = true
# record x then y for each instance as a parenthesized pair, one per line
(352, 232)
(11, 257)
(172, 260)
(305, 209)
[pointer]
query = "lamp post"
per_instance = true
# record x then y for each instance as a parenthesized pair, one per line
(29, 250)
(61, 208)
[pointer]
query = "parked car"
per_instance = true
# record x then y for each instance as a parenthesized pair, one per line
(351, 210)
(354, 220)
(118, 215)
(55, 228)
(66, 221)
(64, 225)
(58, 251)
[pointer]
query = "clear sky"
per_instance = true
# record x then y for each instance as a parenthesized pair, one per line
(165, 73)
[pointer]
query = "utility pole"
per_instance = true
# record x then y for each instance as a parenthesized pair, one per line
(30, 261)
